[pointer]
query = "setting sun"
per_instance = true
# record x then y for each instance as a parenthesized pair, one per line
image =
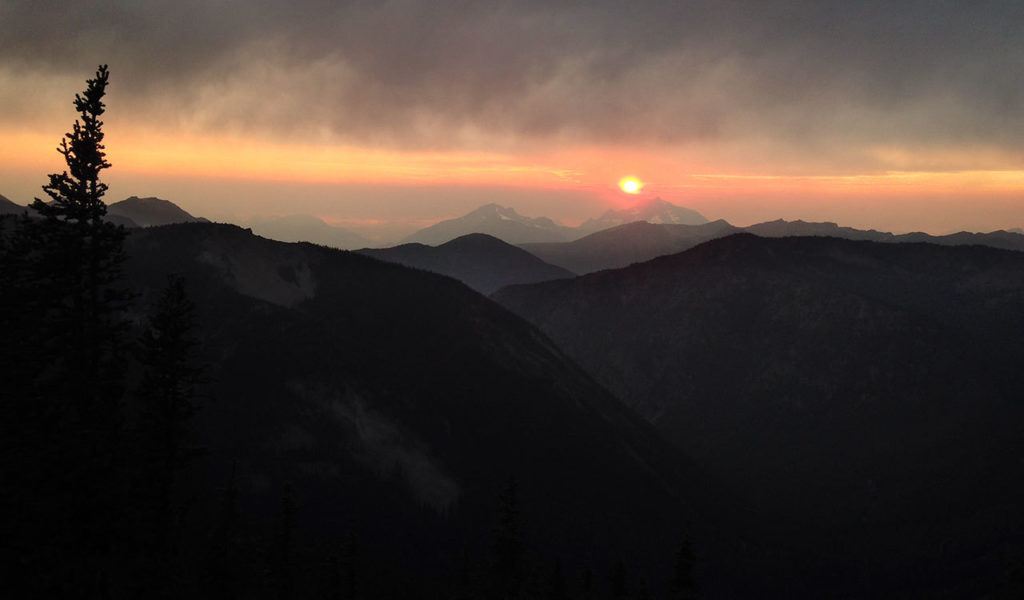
(631, 185)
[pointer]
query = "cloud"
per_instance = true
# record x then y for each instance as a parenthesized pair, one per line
(827, 81)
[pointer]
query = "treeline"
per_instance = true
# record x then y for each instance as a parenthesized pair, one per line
(100, 387)
(96, 407)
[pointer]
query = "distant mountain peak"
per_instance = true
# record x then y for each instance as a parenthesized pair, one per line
(149, 212)
(655, 210)
(146, 200)
(499, 221)
(308, 228)
(483, 262)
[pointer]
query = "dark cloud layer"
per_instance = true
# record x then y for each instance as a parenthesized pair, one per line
(814, 75)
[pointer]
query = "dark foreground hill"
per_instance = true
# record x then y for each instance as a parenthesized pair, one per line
(638, 242)
(395, 404)
(482, 262)
(868, 394)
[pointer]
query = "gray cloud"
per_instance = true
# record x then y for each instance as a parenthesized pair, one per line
(809, 76)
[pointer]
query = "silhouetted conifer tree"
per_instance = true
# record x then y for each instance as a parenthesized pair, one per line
(507, 578)
(67, 280)
(166, 404)
(683, 586)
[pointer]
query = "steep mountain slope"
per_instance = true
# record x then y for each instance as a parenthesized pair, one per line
(148, 212)
(396, 403)
(626, 244)
(639, 242)
(8, 207)
(494, 220)
(482, 262)
(655, 210)
(307, 228)
(867, 393)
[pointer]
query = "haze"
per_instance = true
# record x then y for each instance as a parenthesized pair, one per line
(392, 115)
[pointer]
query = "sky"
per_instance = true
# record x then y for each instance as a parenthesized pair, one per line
(390, 115)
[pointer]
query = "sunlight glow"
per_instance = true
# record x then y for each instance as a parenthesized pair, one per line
(631, 185)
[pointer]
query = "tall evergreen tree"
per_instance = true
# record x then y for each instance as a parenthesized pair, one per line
(67, 281)
(507, 578)
(166, 404)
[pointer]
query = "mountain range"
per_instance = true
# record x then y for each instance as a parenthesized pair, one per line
(820, 416)
(508, 225)
(494, 220)
(867, 394)
(655, 210)
(641, 241)
(307, 228)
(396, 404)
(482, 262)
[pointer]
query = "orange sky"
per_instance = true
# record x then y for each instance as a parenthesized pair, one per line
(897, 116)
(897, 199)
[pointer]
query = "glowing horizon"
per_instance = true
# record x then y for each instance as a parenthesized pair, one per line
(738, 110)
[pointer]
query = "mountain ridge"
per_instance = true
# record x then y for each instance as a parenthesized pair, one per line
(148, 212)
(624, 245)
(654, 210)
(483, 262)
(878, 383)
(492, 219)
(404, 401)
(308, 228)
(508, 225)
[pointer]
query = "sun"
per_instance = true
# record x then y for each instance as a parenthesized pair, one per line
(631, 185)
